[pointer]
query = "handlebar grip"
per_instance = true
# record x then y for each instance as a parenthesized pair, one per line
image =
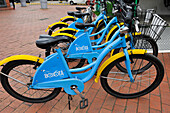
(137, 28)
(128, 17)
(136, 25)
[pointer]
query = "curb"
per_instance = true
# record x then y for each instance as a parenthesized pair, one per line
(49, 3)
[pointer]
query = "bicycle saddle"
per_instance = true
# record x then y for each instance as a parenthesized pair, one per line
(83, 25)
(80, 8)
(71, 13)
(46, 41)
(80, 15)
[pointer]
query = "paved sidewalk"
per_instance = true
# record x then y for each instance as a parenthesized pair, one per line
(18, 31)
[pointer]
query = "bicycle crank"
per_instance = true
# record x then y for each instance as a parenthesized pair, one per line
(84, 101)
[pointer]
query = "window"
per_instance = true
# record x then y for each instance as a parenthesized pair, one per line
(2, 3)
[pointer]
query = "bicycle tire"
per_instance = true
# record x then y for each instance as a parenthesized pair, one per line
(133, 88)
(20, 92)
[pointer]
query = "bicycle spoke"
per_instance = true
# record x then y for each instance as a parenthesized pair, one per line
(24, 73)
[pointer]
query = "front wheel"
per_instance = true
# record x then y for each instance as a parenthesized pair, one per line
(118, 84)
(23, 71)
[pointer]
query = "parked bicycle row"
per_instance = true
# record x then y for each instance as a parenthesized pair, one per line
(75, 51)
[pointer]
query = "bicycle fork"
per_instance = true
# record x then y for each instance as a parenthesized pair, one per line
(124, 31)
(127, 63)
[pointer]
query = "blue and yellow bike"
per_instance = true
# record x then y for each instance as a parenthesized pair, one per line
(36, 80)
(140, 41)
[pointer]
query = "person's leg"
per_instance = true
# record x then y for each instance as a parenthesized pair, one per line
(13, 5)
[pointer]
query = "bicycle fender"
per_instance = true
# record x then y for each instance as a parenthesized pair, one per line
(115, 27)
(63, 34)
(21, 57)
(136, 34)
(127, 36)
(66, 30)
(67, 18)
(60, 24)
(99, 23)
(115, 57)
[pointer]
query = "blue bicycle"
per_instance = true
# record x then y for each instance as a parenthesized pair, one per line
(140, 42)
(36, 80)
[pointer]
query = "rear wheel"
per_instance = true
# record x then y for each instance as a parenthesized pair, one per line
(23, 71)
(118, 84)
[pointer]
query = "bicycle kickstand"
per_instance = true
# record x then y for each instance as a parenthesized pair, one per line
(69, 99)
(84, 101)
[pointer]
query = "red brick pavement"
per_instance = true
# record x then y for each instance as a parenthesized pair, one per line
(18, 31)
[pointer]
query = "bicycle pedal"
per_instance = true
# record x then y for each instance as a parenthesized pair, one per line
(83, 103)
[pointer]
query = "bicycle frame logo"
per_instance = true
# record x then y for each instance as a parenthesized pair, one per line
(54, 74)
(82, 48)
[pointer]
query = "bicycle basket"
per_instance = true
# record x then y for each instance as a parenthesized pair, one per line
(153, 25)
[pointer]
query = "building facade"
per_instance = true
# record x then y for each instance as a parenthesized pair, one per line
(162, 7)
(4, 4)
